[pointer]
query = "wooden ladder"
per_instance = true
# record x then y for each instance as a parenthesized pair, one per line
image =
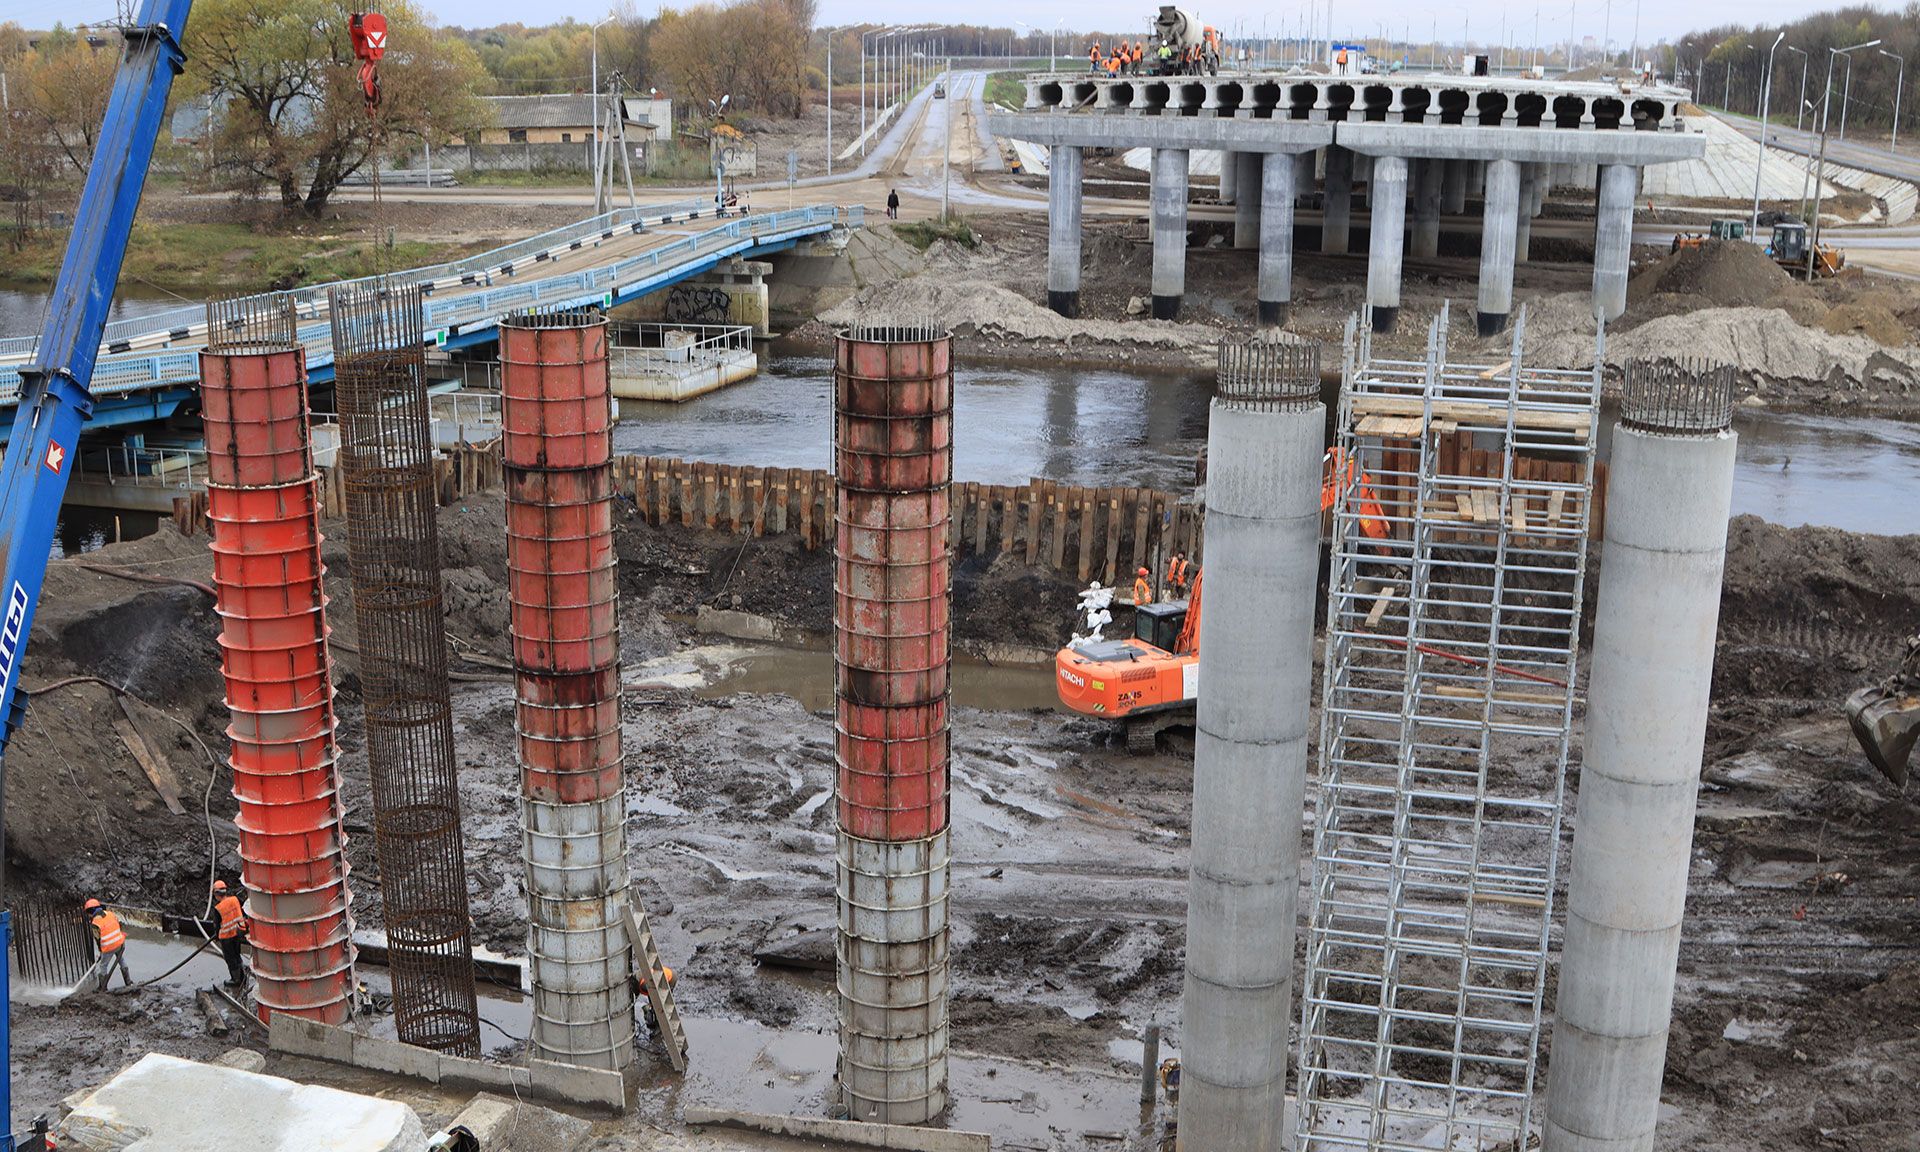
(647, 966)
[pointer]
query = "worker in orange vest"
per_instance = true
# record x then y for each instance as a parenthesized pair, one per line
(1337, 474)
(1114, 61)
(1093, 58)
(111, 940)
(1142, 588)
(645, 998)
(1340, 59)
(1139, 54)
(233, 930)
(1177, 575)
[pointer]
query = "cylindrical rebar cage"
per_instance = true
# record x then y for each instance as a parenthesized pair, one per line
(893, 460)
(1677, 398)
(263, 502)
(386, 453)
(556, 417)
(1269, 373)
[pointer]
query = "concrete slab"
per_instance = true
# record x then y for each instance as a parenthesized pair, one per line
(503, 1124)
(165, 1104)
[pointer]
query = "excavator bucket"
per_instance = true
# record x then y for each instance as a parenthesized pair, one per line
(1887, 723)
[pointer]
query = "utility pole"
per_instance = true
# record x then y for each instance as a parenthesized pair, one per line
(1766, 98)
(1800, 113)
(830, 34)
(946, 158)
(1898, 83)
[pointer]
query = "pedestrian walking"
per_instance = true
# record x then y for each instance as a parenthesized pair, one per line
(893, 204)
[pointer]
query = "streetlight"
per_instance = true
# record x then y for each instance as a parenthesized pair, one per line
(597, 149)
(1766, 98)
(1826, 101)
(1898, 82)
(1801, 113)
(1826, 118)
(883, 33)
(1726, 89)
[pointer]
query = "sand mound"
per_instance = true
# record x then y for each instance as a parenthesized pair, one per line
(1723, 274)
(974, 307)
(1869, 320)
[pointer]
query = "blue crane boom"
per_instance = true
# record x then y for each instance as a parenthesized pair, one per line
(55, 396)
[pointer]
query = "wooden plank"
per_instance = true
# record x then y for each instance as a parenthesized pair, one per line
(956, 516)
(1389, 426)
(1061, 510)
(982, 515)
(1380, 605)
(1519, 513)
(158, 773)
(1498, 370)
(1486, 508)
(710, 493)
(1142, 511)
(1086, 535)
(1034, 509)
(757, 501)
(1556, 504)
(1474, 413)
(805, 487)
(1464, 500)
(1113, 538)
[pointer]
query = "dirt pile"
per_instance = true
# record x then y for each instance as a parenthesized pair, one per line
(992, 311)
(1873, 321)
(1720, 274)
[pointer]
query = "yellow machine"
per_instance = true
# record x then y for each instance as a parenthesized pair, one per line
(1886, 716)
(1789, 250)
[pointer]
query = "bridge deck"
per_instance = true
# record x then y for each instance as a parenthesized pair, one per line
(606, 260)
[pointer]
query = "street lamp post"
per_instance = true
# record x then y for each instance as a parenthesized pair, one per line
(1766, 98)
(1800, 115)
(596, 150)
(1826, 118)
(1899, 82)
(1846, 98)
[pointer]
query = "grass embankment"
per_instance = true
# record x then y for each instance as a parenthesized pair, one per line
(922, 233)
(205, 259)
(1005, 88)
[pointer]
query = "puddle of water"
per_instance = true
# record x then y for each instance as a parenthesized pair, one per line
(806, 674)
(1843, 472)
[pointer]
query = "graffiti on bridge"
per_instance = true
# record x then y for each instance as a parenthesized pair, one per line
(698, 304)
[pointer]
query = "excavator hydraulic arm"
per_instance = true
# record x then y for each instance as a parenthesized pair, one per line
(1886, 717)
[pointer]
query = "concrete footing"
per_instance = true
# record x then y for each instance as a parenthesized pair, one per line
(1063, 230)
(1249, 779)
(1385, 239)
(1497, 236)
(1278, 173)
(1337, 215)
(1169, 231)
(1653, 652)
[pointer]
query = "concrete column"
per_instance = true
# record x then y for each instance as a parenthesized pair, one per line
(1523, 219)
(1248, 202)
(1229, 178)
(1169, 231)
(1613, 239)
(1453, 187)
(1250, 754)
(1305, 173)
(1542, 180)
(1279, 174)
(1633, 833)
(1476, 178)
(1363, 178)
(1338, 201)
(1384, 239)
(1497, 227)
(1063, 230)
(1427, 181)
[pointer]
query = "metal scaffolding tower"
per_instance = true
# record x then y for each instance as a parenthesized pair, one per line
(1459, 557)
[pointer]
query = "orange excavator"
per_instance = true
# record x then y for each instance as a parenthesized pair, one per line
(1147, 682)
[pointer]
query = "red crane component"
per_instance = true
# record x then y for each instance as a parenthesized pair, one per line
(893, 575)
(262, 497)
(368, 30)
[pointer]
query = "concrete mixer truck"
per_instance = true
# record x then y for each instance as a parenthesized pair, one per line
(1184, 46)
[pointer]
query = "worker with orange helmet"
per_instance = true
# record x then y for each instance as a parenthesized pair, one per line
(233, 930)
(1093, 57)
(646, 1001)
(1142, 588)
(1177, 566)
(111, 940)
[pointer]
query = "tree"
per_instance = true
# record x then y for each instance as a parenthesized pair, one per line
(290, 112)
(62, 88)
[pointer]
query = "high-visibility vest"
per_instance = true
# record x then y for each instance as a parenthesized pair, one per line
(232, 920)
(1142, 591)
(1338, 475)
(112, 938)
(1093, 54)
(1177, 570)
(1342, 57)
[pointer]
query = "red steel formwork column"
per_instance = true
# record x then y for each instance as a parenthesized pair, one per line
(556, 416)
(263, 500)
(893, 441)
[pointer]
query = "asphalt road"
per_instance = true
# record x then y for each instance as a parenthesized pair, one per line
(1851, 153)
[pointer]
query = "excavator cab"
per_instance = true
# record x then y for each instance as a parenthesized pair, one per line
(1789, 244)
(1160, 624)
(1885, 717)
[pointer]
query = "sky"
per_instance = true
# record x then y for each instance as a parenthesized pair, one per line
(1355, 19)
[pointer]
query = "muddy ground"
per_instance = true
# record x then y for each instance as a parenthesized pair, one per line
(1800, 979)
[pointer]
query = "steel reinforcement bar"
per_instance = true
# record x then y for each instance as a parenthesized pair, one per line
(393, 542)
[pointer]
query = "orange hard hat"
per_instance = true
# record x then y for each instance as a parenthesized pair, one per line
(219, 885)
(92, 904)
(1142, 572)
(669, 973)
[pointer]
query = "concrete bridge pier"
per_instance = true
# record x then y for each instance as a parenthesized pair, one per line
(1063, 230)
(1539, 180)
(1278, 186)
(1613, 239)
(1428, 177)
(1523, 219)
(1169, 231)
(1453, 186)
(1389, 194)
(1249, 198)
(1306, 170)
(1229, 178)
(1497, 235)
(1337, 211)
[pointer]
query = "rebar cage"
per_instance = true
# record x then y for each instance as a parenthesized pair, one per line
(1677, 398)
(263, 323)
(393, 541)
(1265, 374)
(51, 945)
(1453, 613)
